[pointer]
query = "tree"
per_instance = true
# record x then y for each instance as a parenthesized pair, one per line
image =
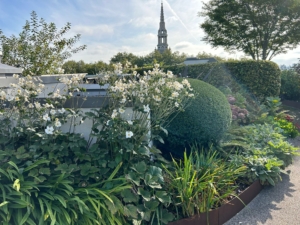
(166, 58)
(40, 48)
(80, 66)
(72, 66)
(97, 67)
(261, 29)
(209, 55)
(296, 67)
(123, 57)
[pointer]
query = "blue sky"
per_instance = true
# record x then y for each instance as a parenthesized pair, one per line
(111, 26)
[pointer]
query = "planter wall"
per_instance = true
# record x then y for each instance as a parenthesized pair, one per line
(220, 215)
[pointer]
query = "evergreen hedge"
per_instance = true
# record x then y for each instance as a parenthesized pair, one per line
(204, 121)
(260, 78)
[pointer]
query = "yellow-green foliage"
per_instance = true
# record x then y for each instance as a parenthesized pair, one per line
(205, 119)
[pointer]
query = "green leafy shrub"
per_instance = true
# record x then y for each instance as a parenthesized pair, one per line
(288, 127)
(263, 149)
(201, 181)
(205, 119)
(259, 166)
(290, 85)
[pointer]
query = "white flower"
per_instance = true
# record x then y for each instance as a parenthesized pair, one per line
(176, 104)
(17, 99)
(49, 130)
(62, 110)
(157, 98)
(170, 74)
(129, 134)
(30, 106)
(114, 114)
(81, 121)
(46, 105)
(157, 90)
(191, 95)
(2, 95)
(71, 94)
(107, 122)
(121, 110)
(57, 123)
(46, 117)
(186, 83)
(161, 81)
(178, 86)
(16, 76)
(52, 112)
(37, 105)
(175, 94)
(123, 100)
(129, 122)
(146, 108)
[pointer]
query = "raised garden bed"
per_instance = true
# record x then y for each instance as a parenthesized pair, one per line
(220, 215)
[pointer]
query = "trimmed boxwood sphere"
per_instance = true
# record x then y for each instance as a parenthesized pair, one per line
(204, 121)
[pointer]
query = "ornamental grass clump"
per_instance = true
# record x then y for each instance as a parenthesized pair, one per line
(201, 181)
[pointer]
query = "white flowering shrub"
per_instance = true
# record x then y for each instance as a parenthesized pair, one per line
(21, 109)
(122, 132)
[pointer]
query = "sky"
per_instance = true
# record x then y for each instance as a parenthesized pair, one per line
(111, 26)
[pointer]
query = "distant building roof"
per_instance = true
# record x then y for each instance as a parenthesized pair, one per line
(6, 69)
(195, 60)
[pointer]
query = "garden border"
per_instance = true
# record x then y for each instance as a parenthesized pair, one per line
(224, 213)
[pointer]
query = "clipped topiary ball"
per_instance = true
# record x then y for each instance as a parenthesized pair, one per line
(204, 121)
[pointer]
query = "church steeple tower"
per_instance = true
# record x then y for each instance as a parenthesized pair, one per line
(162, 33)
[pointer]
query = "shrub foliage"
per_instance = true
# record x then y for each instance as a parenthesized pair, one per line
(205, 119)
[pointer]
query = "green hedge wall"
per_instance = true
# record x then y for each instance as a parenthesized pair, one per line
(260, 78)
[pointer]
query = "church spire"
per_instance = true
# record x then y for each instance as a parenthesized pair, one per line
(162, 32)
(162, 19)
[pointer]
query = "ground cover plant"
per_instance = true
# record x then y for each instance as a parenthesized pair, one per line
(263, 146)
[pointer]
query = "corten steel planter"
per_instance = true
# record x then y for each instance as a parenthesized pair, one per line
(224, 213)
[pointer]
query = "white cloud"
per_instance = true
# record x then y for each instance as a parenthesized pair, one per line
(96, 30)
(143, 22)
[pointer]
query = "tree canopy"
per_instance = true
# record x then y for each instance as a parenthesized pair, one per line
(166, 58)
(261, 29)
(40, 48)
(80, 66)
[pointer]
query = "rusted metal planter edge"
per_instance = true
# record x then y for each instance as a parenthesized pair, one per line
(224, 213)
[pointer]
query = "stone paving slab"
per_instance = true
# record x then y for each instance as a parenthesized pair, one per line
(279, 205)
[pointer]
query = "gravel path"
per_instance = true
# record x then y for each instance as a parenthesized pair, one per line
(279, 205)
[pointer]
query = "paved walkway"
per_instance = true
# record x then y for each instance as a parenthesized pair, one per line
(279, 205)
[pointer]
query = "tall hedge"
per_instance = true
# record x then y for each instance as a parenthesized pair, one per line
(261, 78)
